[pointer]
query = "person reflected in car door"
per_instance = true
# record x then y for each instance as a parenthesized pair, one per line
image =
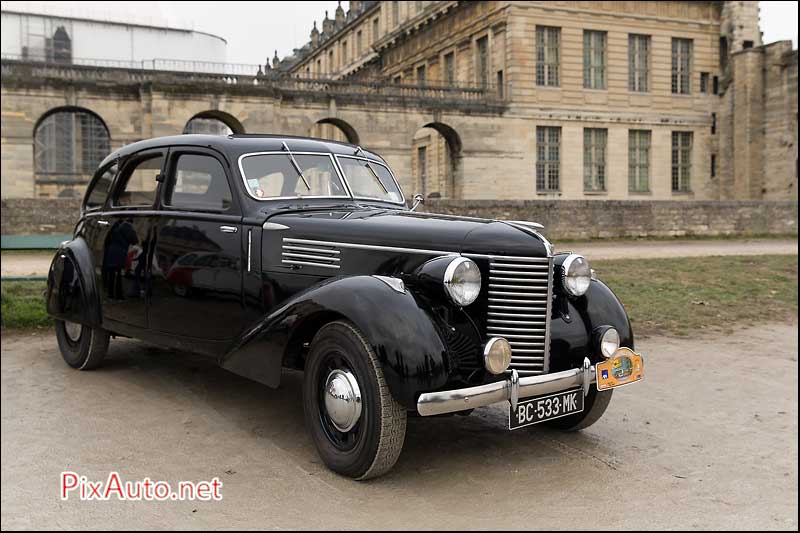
(120, 237)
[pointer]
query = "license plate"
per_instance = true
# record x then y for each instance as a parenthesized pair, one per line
(535, 410)
(625, 367)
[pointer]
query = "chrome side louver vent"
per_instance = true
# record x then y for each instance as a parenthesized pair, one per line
(299, 252)
(520, 291)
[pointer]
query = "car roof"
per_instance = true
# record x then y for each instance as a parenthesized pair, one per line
(238, 144)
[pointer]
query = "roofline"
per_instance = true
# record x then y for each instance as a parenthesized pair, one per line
(113, 22)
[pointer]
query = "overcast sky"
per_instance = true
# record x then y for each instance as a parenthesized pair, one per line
(254, 30)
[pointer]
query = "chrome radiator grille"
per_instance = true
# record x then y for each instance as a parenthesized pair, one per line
(520, 295)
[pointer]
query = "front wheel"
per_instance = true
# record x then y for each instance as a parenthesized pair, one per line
(356, 425)
(594, 406)
(82, 347)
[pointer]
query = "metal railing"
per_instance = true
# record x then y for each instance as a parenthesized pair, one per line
(207, 72)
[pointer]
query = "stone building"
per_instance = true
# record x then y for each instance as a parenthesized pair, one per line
(556, 100)
(605, 99)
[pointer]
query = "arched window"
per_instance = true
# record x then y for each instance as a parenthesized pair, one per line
(209, 126)
(70, 142)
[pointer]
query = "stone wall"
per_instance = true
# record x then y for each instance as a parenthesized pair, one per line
(583, 219)
(563, 219)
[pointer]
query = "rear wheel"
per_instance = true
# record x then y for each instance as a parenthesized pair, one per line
(594, 405)
(81, 346)
(356, 425)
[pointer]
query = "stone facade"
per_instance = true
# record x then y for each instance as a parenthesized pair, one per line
(463, 81)
(563, 219)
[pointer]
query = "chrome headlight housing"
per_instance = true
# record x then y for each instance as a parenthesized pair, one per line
(462, 281)
(576, 275)
(609, 342)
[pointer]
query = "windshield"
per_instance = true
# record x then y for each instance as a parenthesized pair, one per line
(296, 175)
(369, 179)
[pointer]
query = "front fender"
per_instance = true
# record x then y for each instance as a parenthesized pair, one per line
(71, 289)
(399, 327)
(575, 320)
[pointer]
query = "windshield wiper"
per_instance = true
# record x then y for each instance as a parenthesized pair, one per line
(296, 166)
(375, 174)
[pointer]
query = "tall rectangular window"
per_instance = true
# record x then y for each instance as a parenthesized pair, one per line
(500, 85)
(594, 59)
(421, 75)
(422, 166)
(482, 61)
(639, 160)
(358, 43)
(704, 82)
(681, 66)
(344, 52)
(681, 161)
(638, 63)
(594, 159)
(376, 29)
(548, 42)
(395, 13)
(450, 67)
(548, 158)
(713, 165)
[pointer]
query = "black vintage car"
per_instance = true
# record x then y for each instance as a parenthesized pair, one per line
(268, 252)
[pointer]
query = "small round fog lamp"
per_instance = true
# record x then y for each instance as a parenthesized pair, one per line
(497, 355)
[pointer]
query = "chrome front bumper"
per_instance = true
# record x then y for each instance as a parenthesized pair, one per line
(513, 390)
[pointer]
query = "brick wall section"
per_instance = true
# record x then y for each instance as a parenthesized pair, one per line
(563, 219)
(581, 219)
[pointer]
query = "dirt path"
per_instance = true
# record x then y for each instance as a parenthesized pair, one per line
(708, 440)
(37, 264)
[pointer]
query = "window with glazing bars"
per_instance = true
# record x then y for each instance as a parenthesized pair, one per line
(681, 66)
(639, 160)
(594, 59)
(449, 67)
(594, 159)
(548, 158)
(482, 49)
(638, 63)
(548, 41)
(681, 161)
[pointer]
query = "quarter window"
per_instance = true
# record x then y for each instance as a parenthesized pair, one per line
(594, 159)
(681, 161)
(594, 59)
(548, 158)
(548, 41)
(139, 189)
(102, 186)
(638, 62)
(639, 160)
(199, 183)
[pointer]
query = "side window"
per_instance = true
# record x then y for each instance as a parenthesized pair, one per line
(199, 183)
(102, 186)
(139, 189)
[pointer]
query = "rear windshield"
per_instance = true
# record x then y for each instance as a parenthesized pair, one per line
(297, 175)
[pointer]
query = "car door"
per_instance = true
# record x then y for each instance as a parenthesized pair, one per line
(197, 265)
(121, 236)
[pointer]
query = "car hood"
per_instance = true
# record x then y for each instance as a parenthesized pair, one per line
(411, 230)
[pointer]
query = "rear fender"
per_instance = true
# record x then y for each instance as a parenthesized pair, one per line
(398, 326)
(71, 289)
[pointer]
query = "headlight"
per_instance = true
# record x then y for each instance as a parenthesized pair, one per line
(609, 342)
(577, 275)
(462, 281)
(497, 355)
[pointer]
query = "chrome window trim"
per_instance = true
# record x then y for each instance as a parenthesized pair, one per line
(394, 179)
(329, 155)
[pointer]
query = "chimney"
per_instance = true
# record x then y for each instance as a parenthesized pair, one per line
(327, 26)
(275, 60)
(339, 16)
(314, 35)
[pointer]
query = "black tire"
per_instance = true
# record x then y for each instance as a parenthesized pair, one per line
(84, 351)
(373, 445)
(594, 405)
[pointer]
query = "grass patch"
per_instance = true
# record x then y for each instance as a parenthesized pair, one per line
(681, 295)
(23, 304)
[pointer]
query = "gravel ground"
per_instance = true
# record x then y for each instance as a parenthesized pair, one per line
(708, 440)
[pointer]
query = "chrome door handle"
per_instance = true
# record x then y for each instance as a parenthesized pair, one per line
(103, 222)
(228, 229)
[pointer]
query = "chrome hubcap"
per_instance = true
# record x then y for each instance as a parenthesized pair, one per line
(73, 330)
(342, 400)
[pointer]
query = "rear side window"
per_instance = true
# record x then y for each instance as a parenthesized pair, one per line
(199, 183)
(100, 189)
(140, 183)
